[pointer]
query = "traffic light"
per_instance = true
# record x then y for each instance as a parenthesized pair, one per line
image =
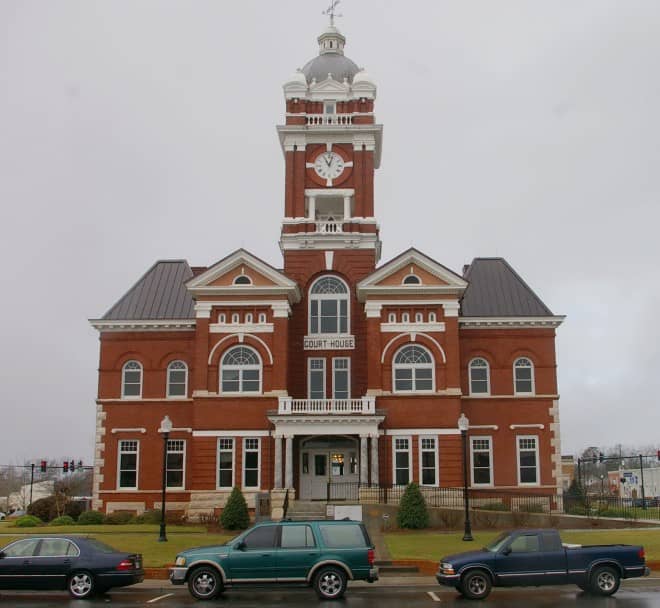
(72, 466)
(65, 467)
(43, 466)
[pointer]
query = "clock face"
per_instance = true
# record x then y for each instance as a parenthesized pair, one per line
(329, 165)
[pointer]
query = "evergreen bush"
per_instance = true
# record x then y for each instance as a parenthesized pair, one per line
(28, 521)
(62, 520)
(91, 518)
(235, 515)
(412, 509)
(118, 518)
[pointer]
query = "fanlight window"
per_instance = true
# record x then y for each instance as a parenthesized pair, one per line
(131, 380)
(328, 307)
(177, 379)
(242, 280)
(241, 371)
(479, 377)
(523, 376)
(412, 279)
(413, 369)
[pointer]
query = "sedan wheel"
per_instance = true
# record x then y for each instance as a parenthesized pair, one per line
(81, 585)
(330, 583)
(205, 583)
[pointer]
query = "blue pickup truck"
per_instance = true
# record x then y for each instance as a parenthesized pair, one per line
(538, 557)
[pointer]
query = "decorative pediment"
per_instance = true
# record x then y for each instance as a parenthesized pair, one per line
(329, 89)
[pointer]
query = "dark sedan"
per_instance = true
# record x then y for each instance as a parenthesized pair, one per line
(83, 566)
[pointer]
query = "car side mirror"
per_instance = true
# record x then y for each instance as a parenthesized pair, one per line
(506, 551)
(240, 545)
(2, 554)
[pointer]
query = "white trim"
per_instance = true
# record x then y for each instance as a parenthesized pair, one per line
(416, 327)
(183, 478)
(329, 258)
(518, 397)
(394, 453)
(538, 464)
(336, 297)
(240, 369)
(309, 376)
(348, 376)
(280, 308)
(443, 431)
(325, 193)
(532, 366)
(217, 462)
(132, 430)
(491, 467)
(240, 340)
(248, 328)
(123, 379)
(413, 336)
(137, 465)
(230, 433)
(413, 367)
(435, 461)
(494, 427)
(245, 450)
(499, 322)
(487, 393)
(144, 325)
(526, 426)
(167, 381)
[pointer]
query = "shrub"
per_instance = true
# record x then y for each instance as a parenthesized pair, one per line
(63, 520)
(493, 506)
(91, 518)
(152, 516)
(412, 511)
(74, 509)
(28, 521)
(118, 518)
(531, 508)
(235, 515)
(53, 506)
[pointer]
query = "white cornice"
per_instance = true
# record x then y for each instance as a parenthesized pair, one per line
(408, 290)
(442, 431)
(280, 308)
(248, 328)
(327, 241)
(374, 307)
(510, 322)
(145, 325)
(254, 290)
(411, 327)
(231, 433)
(516, 397)
(526, 426)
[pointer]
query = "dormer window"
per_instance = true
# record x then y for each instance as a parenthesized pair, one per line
(412, 279)
(242, 279)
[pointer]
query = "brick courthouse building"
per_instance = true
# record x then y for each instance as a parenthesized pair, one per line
(333, 370)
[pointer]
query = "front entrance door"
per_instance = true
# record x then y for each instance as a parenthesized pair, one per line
(329, 468)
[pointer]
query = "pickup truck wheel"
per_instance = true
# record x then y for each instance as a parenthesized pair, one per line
(330, 583)
(605, 581)
(205, 583)
(475, 585)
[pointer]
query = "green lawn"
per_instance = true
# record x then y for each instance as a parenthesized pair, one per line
(434, 545)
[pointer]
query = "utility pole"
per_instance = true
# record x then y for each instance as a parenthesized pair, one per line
(31, 480)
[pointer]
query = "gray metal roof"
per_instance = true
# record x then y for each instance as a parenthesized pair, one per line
(159, 294)
(336, 64)
(496, 290)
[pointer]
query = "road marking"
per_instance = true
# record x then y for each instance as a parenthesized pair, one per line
(434, 597)
(160, 597)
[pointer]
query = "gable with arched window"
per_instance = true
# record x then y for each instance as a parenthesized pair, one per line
(479, 373)
(131, 380)
(240, 371)
(328, 306)
(413, 369)
(523, 376)
(177, 380)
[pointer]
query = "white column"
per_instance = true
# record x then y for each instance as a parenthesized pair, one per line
(347, 207)
(288, 461)
(364, 465)
(278, 461)
(374, 459)
(311, 207)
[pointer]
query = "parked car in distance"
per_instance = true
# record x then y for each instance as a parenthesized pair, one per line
(84, 566)
(538, 557)
(324, 554)
(2, 516)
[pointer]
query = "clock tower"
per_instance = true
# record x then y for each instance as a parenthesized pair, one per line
(332, 146)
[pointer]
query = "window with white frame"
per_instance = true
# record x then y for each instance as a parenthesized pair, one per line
(481, 457)
(131, 380)
(523, 376)
(225, 462)
(235, 318)
(127, 464)
(412, 279)
(329, 107)
(341, 388)
(248, 317)
(391, 317)
(528, 460)
(328, 307)
(405, 317)
(413, 369)
(262, 317)
(479, 377)
(432, 317)
(222, 318)
(251, 462)
(242, 279)
(177, 379)
(176, 462)
(419, 317)
(240, 371)
(316, 378)
(401, 460)
(428, 461)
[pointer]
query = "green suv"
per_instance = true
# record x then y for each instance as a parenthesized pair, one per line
(324, 554)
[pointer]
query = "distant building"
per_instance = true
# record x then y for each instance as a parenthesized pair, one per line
(21, 498)
(567, 471)
(632, 486)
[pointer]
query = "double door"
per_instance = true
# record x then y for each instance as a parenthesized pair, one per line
(324, 473)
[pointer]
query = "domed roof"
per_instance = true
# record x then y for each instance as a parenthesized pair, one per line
(336, 64)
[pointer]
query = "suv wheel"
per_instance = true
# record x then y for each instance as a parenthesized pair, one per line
(330, 583)
(475, 585)
(205, 583)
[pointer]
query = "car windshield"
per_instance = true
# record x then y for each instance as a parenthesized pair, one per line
(495, 545)
(99, 546)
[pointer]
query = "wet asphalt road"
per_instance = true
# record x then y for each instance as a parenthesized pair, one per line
(633, 594)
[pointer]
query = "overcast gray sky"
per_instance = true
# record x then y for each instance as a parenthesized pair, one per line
(134, 131)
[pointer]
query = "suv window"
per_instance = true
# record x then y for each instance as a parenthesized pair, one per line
(297, 537)
(340, 536)
(261, 538)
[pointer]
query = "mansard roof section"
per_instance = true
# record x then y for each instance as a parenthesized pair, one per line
(495, 289)
(159, 294)
(241, 274)
(411, 272)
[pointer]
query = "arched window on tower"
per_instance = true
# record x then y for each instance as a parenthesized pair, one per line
(523, 376)
(131, 380)
(177, 380)
(479, 377)
(328, 306)
(240, 371)
(413, 369)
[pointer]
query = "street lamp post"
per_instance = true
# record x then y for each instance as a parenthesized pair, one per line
(165, 428)
(463, 426)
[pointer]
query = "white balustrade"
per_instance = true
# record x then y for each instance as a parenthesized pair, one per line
(329, 226)
(364, 405)
(329, 119)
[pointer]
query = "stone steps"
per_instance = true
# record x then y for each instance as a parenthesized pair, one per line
(301, 510)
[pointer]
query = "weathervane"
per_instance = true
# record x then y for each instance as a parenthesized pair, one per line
(330, 11)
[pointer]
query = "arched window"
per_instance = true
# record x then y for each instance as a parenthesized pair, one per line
(177, 379)
(405, 317)
(413, 369)
(419, 317)
(479, 377)
(262, 317)
(248, 317)
(240, 371)
(523, 376)
(328, 307)
(391, 318)
(234, 318)
(432, 317)
(412, 279)
(242, 279)
(131, 380)
(222, 318)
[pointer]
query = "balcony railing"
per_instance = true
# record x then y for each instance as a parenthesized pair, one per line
(364, 405)
(329, 119)
(329, 226)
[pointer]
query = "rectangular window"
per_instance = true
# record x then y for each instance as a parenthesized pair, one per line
(481, 457)
(225, 462)
(176, 456)
(428, 461)
(297, 537)
(403, 379)
(251, 461)
(340, 378)
(524, 380)
(528, 460)
(128, 464)
(329, 107)
(316, 378)
(401, 461)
